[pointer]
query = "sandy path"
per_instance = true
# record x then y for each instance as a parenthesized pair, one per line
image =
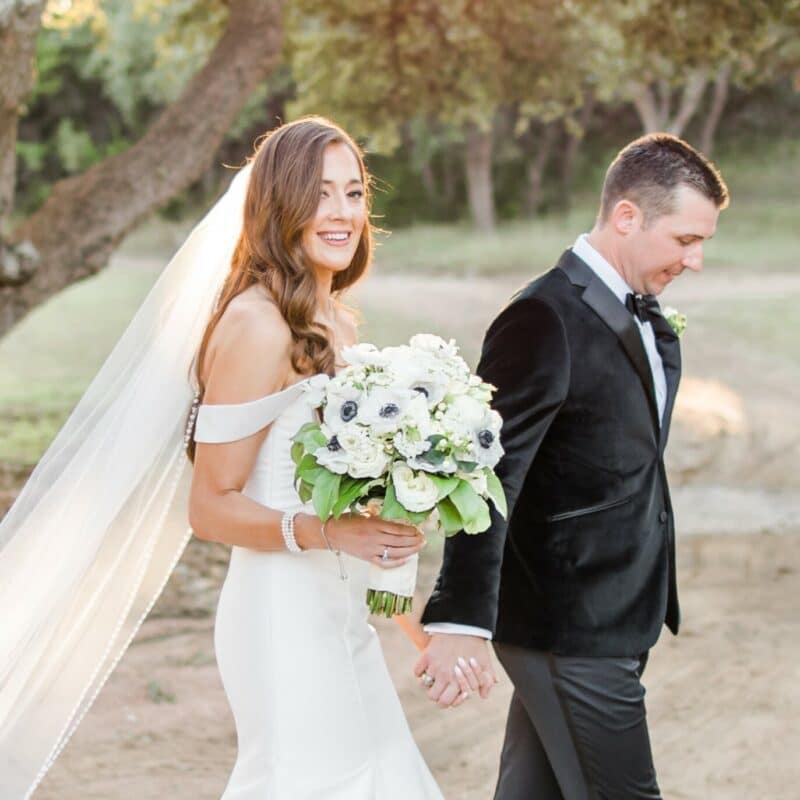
(723, 698)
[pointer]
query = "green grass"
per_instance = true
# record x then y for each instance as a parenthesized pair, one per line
(48, 360)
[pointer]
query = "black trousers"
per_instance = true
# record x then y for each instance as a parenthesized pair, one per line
(576, 730)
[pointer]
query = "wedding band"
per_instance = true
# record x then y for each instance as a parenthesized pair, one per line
(427, 680)
(464, 695)
(385, 556)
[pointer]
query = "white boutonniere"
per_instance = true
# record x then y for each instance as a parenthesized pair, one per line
(676, 320)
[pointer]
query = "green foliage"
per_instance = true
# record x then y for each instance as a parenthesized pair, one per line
(453, 61)
(325, 492)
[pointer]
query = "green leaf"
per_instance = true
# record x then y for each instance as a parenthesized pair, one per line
(305, 491)
(308, 469)
(391, 508)
(444, 485)
(298, 450)
(433, 457)
(311, 437)
(449, 517)
(349, 491)
(473, 508)
(325, 492)
(497, 493)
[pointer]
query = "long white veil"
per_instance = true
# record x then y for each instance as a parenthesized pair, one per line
(97, 529)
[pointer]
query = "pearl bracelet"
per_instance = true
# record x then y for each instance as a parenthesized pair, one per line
(287, 529)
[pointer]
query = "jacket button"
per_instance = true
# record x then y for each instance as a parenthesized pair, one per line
(662, 517)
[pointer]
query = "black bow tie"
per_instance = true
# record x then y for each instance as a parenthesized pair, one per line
(644, 306)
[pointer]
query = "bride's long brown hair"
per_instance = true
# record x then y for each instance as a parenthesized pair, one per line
(282, 199)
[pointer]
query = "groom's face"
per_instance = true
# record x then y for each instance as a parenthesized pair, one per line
(658, 251)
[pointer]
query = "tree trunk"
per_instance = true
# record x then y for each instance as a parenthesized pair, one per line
(574, 141)
(86, 216)
(536, 167)
(429, 183)
(691, 96)
(450, 176)
(478, 169)
(718, 100)
(19, 24)
(644, 101)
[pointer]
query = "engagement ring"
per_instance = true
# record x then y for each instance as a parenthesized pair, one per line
(427, 680)
(385, 556)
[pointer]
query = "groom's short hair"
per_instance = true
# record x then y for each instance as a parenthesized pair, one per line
(649, 170)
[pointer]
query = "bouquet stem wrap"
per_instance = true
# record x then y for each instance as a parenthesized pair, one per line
(391, 591)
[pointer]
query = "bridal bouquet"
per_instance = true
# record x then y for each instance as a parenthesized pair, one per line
(411, 427)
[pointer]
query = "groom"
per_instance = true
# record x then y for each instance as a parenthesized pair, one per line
(575, 587)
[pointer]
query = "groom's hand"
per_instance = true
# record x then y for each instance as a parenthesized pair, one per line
(458, 664)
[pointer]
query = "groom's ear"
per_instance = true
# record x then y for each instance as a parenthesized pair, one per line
(626, 217)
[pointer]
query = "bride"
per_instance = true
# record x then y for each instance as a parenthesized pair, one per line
(249, 310)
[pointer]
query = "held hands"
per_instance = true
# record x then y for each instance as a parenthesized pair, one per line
(454, 666)
(379, 541)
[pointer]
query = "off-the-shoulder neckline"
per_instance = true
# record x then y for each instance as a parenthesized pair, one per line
(265, 397)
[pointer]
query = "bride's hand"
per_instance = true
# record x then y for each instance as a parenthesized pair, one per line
(371, 538)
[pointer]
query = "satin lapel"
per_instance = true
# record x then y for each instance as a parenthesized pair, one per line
(603, 302)
(669, 348)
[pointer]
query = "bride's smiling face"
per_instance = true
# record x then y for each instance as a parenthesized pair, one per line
(331, 238)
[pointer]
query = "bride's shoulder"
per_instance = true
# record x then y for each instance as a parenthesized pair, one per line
(250, 319)
(250, 347)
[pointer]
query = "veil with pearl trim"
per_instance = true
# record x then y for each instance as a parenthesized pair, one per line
(90, 541)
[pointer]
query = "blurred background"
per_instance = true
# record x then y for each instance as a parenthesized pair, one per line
(488, 126)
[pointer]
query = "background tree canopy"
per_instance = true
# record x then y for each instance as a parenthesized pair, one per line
(469, 110)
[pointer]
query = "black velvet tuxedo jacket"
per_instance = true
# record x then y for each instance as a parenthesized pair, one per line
(585, 564)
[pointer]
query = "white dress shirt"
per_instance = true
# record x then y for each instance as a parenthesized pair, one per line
(616, 283)
(620, 288)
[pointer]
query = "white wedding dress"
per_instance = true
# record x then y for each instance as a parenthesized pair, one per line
(317, 716)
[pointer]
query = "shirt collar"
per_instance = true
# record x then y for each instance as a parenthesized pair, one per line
(601, 267)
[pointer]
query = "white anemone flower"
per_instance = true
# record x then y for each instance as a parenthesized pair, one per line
(486, 440)
(343, 406)
(384, 409)
(422, 373)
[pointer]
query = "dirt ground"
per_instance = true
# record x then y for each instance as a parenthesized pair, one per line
(723, 697)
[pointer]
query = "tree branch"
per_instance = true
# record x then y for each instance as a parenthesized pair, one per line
(86, 216)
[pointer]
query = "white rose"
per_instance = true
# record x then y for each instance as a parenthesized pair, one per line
(414, 491)
(369, 462)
